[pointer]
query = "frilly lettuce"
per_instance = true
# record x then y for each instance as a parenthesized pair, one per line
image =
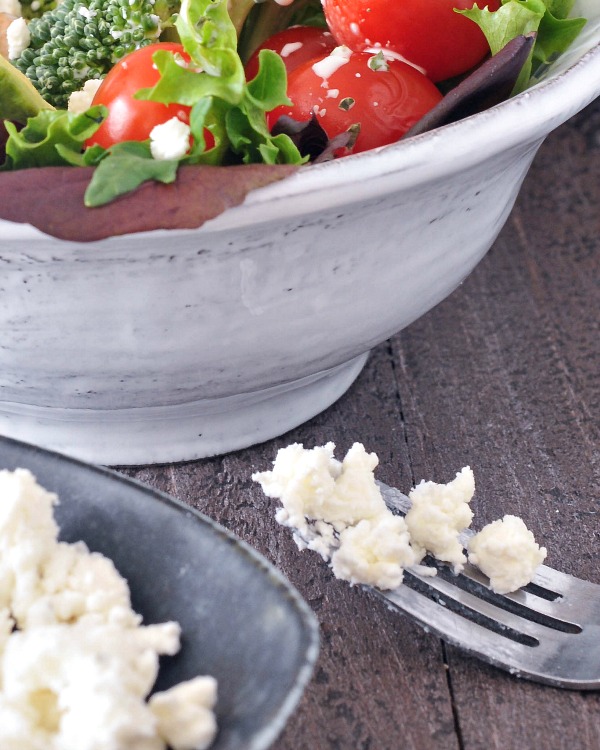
(547, 18)
(52, 138)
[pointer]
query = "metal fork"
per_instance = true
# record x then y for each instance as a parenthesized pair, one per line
(548, 631)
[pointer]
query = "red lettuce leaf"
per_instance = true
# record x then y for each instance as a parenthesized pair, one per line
(51, 199)
(489, 84)
(308, 136)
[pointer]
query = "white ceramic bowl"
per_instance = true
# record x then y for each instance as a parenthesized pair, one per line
(165, 346)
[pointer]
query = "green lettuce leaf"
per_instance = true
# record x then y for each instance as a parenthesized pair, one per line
(555, 35)
(547, 18)
(209, 37)
(215, 86)
(125, 167)
(560, 8)
(246, 125)
(207, 114)
(52, 138)
(92, 156)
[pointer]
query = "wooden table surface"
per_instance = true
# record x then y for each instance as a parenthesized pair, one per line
(504, 376)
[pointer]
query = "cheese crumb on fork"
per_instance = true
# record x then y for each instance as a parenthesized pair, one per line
(336, 508)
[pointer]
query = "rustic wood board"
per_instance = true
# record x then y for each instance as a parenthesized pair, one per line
(505, 376)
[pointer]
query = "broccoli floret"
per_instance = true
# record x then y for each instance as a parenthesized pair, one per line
(82, 39)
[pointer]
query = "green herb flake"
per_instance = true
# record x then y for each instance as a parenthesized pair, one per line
(378, 62)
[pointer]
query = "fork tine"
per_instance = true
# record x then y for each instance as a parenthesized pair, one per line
(560, 660)
(562, 583)
(572, 591)
(453, 596)
(547, 632)
(575, 599)
(470, 637)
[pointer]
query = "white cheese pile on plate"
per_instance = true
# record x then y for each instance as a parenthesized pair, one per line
(336, 509)
(76, 664)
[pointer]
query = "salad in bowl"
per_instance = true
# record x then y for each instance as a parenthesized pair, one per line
(135, 89)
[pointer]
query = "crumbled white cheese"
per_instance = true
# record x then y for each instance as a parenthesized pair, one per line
(439, 512)
(337, 509)
(170, 140)
(11, 8)
(18, 38)
(28, 536)
(289, 48)
(184, 714)
(43, 581)
(80, 687)
(75, 584)
(313, 484)
(76, 665)
(374, 552)
(81, 100)
(327, 66)
(507, 553)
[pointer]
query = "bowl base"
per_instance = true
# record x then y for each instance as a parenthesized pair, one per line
(180, 432)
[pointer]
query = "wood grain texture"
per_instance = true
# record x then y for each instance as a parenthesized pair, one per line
(504, 376)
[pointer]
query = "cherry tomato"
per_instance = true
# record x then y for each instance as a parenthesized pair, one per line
(132, 119)
(426, 33)
(386, 97)
(296, 45)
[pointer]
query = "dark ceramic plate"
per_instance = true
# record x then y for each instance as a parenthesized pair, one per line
(242, 622)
